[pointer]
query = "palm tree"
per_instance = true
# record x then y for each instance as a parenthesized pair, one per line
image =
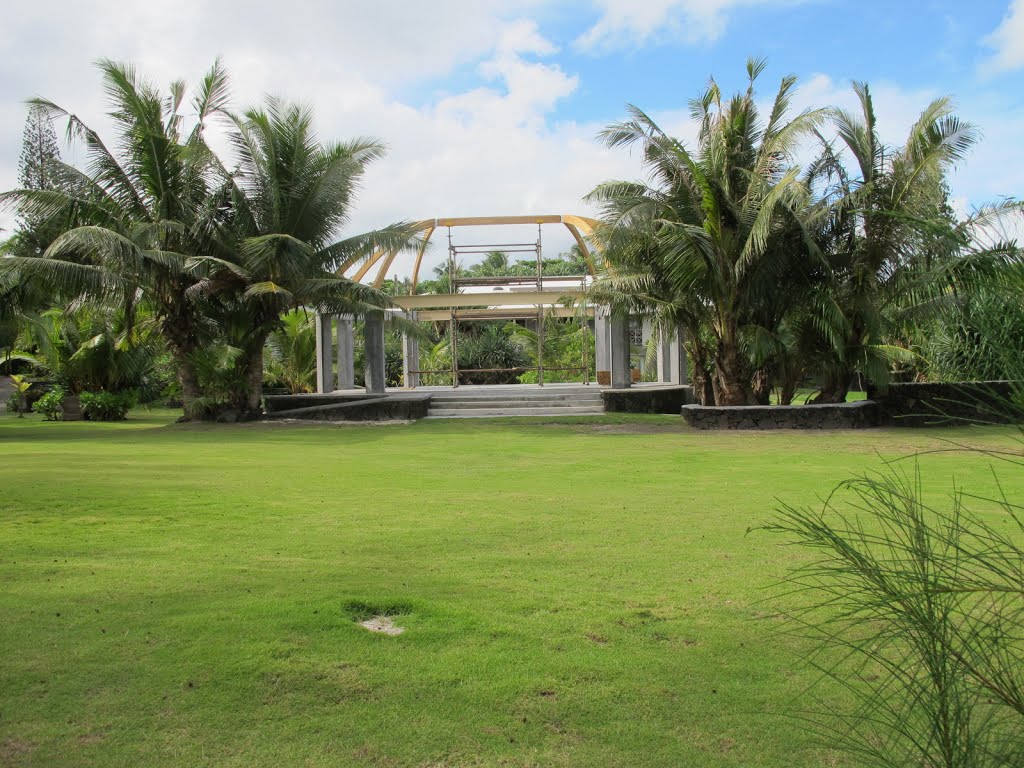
(287, 201)
(292, 348)
(887, 219)
(494, 263)
(20, 299)
(697, 241)
(137, 215)
(90, 349)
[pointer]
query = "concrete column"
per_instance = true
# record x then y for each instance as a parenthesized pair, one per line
(346, 352)
(324, 363)
(618, 348)
(373, 351)
(410, 356)
(664, 361)
(672, 359)
(602, 360)
(678, 370)
(646, 331)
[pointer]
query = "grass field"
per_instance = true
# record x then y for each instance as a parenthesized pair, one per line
(581, 594)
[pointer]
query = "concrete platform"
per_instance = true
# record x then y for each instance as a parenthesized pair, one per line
(477, 401)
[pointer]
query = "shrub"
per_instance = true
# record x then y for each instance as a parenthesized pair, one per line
(49, 405)
(916, 612)
(160, 383)
(106, 406)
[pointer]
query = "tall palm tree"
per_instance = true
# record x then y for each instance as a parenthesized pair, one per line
(887, 220)
(138, 213)
(698, 238)
(279, 249)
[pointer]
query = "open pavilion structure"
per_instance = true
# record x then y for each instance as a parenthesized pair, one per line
(530, 298)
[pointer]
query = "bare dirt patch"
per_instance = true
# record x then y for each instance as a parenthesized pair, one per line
(13, 750)
(383, 624)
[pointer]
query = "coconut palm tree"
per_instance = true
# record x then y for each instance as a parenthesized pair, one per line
(138, 213)
(278, 249)
(698, 240)
(888, 218)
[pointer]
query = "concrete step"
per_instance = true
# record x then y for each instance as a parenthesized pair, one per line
(490, 403)
(508, 394)
(480, 413)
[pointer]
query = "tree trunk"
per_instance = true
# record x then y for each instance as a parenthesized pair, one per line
(837, 383)
(834, 389)
(254, 384)
(761, 386)
(787, 392)
(733, 384)
(176, 329)
(190, 391)
(703, 388)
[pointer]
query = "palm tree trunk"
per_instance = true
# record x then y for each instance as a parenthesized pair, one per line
(835, 388)
(761, 386)
(787, 392)
(175, 328)
(254, 383)
(703, 389)
(190, 390)
(837, 382)
(732, 381)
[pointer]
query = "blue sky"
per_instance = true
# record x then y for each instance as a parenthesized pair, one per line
(865, 41)
(491, 106)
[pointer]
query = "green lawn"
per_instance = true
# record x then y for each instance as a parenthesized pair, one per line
(581, 594)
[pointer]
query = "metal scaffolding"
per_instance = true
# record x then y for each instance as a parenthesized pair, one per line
(538, 314)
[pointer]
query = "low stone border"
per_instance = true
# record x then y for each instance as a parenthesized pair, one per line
(902, 405)
(646, 399)
(357, 407)
(945, 403)
(859, 415)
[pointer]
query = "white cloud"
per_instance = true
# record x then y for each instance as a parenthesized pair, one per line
(632, 23)
(489, 147)
(1007, 40)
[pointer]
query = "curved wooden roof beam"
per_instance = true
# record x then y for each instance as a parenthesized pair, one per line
(382, 273)
(367, 266)
(583, 247)
(419, 259)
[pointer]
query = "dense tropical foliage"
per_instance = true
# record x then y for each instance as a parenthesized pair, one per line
(213, 252)
(779, 274)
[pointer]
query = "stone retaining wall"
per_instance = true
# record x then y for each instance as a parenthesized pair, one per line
(903, 405)
(646, 399)
(859, 415)
(945, 404)
(361, 407)
(277, 403)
